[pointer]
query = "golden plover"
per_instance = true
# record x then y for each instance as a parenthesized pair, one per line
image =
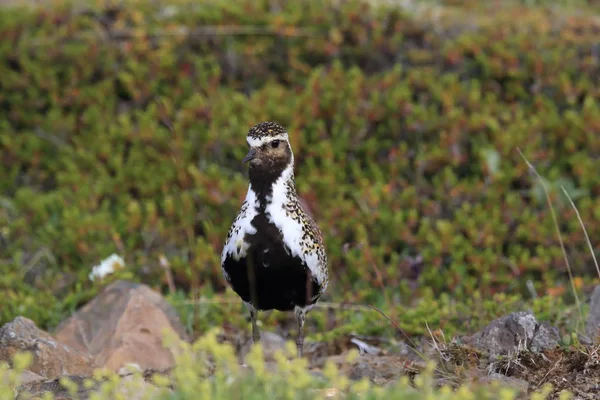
(274, 257)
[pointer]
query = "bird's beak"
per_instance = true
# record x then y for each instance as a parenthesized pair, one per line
(251, 154)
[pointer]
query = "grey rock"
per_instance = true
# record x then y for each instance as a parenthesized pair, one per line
(381, 369)
(516, 383)
(271, 342)
(132, 387)
(51, 358)
(592, 328)
(515, 332)
(545, 337)
(39, 389)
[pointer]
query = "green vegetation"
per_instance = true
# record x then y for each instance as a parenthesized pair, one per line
(122, 129)
(198, 376)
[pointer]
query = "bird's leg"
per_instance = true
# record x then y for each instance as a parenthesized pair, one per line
(255, 331)
(300, 317)
(253, 317)
(253, 299)
(300, 339)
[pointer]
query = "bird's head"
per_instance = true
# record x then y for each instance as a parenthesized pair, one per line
(270, 152)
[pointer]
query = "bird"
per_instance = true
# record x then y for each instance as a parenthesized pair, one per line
(274, 256)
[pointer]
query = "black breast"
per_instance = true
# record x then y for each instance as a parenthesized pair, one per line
(269, 277)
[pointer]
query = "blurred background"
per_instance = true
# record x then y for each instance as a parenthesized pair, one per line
(123, 124)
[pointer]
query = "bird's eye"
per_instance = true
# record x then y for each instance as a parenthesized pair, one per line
(275, 144)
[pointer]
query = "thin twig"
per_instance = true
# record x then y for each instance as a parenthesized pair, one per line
(168, 273)
(165, 118)
(338, 306)
(549, 371)
(562, 245)
(587, 238)
(511, 264)
(378, 275)
(415, 348)
(435, 344)
(442, 368)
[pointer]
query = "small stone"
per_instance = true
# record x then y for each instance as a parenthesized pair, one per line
(516, 383)
(51, 359)
(28, 377)
(270, 342)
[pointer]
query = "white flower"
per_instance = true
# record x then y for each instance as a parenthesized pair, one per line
(107, 267)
